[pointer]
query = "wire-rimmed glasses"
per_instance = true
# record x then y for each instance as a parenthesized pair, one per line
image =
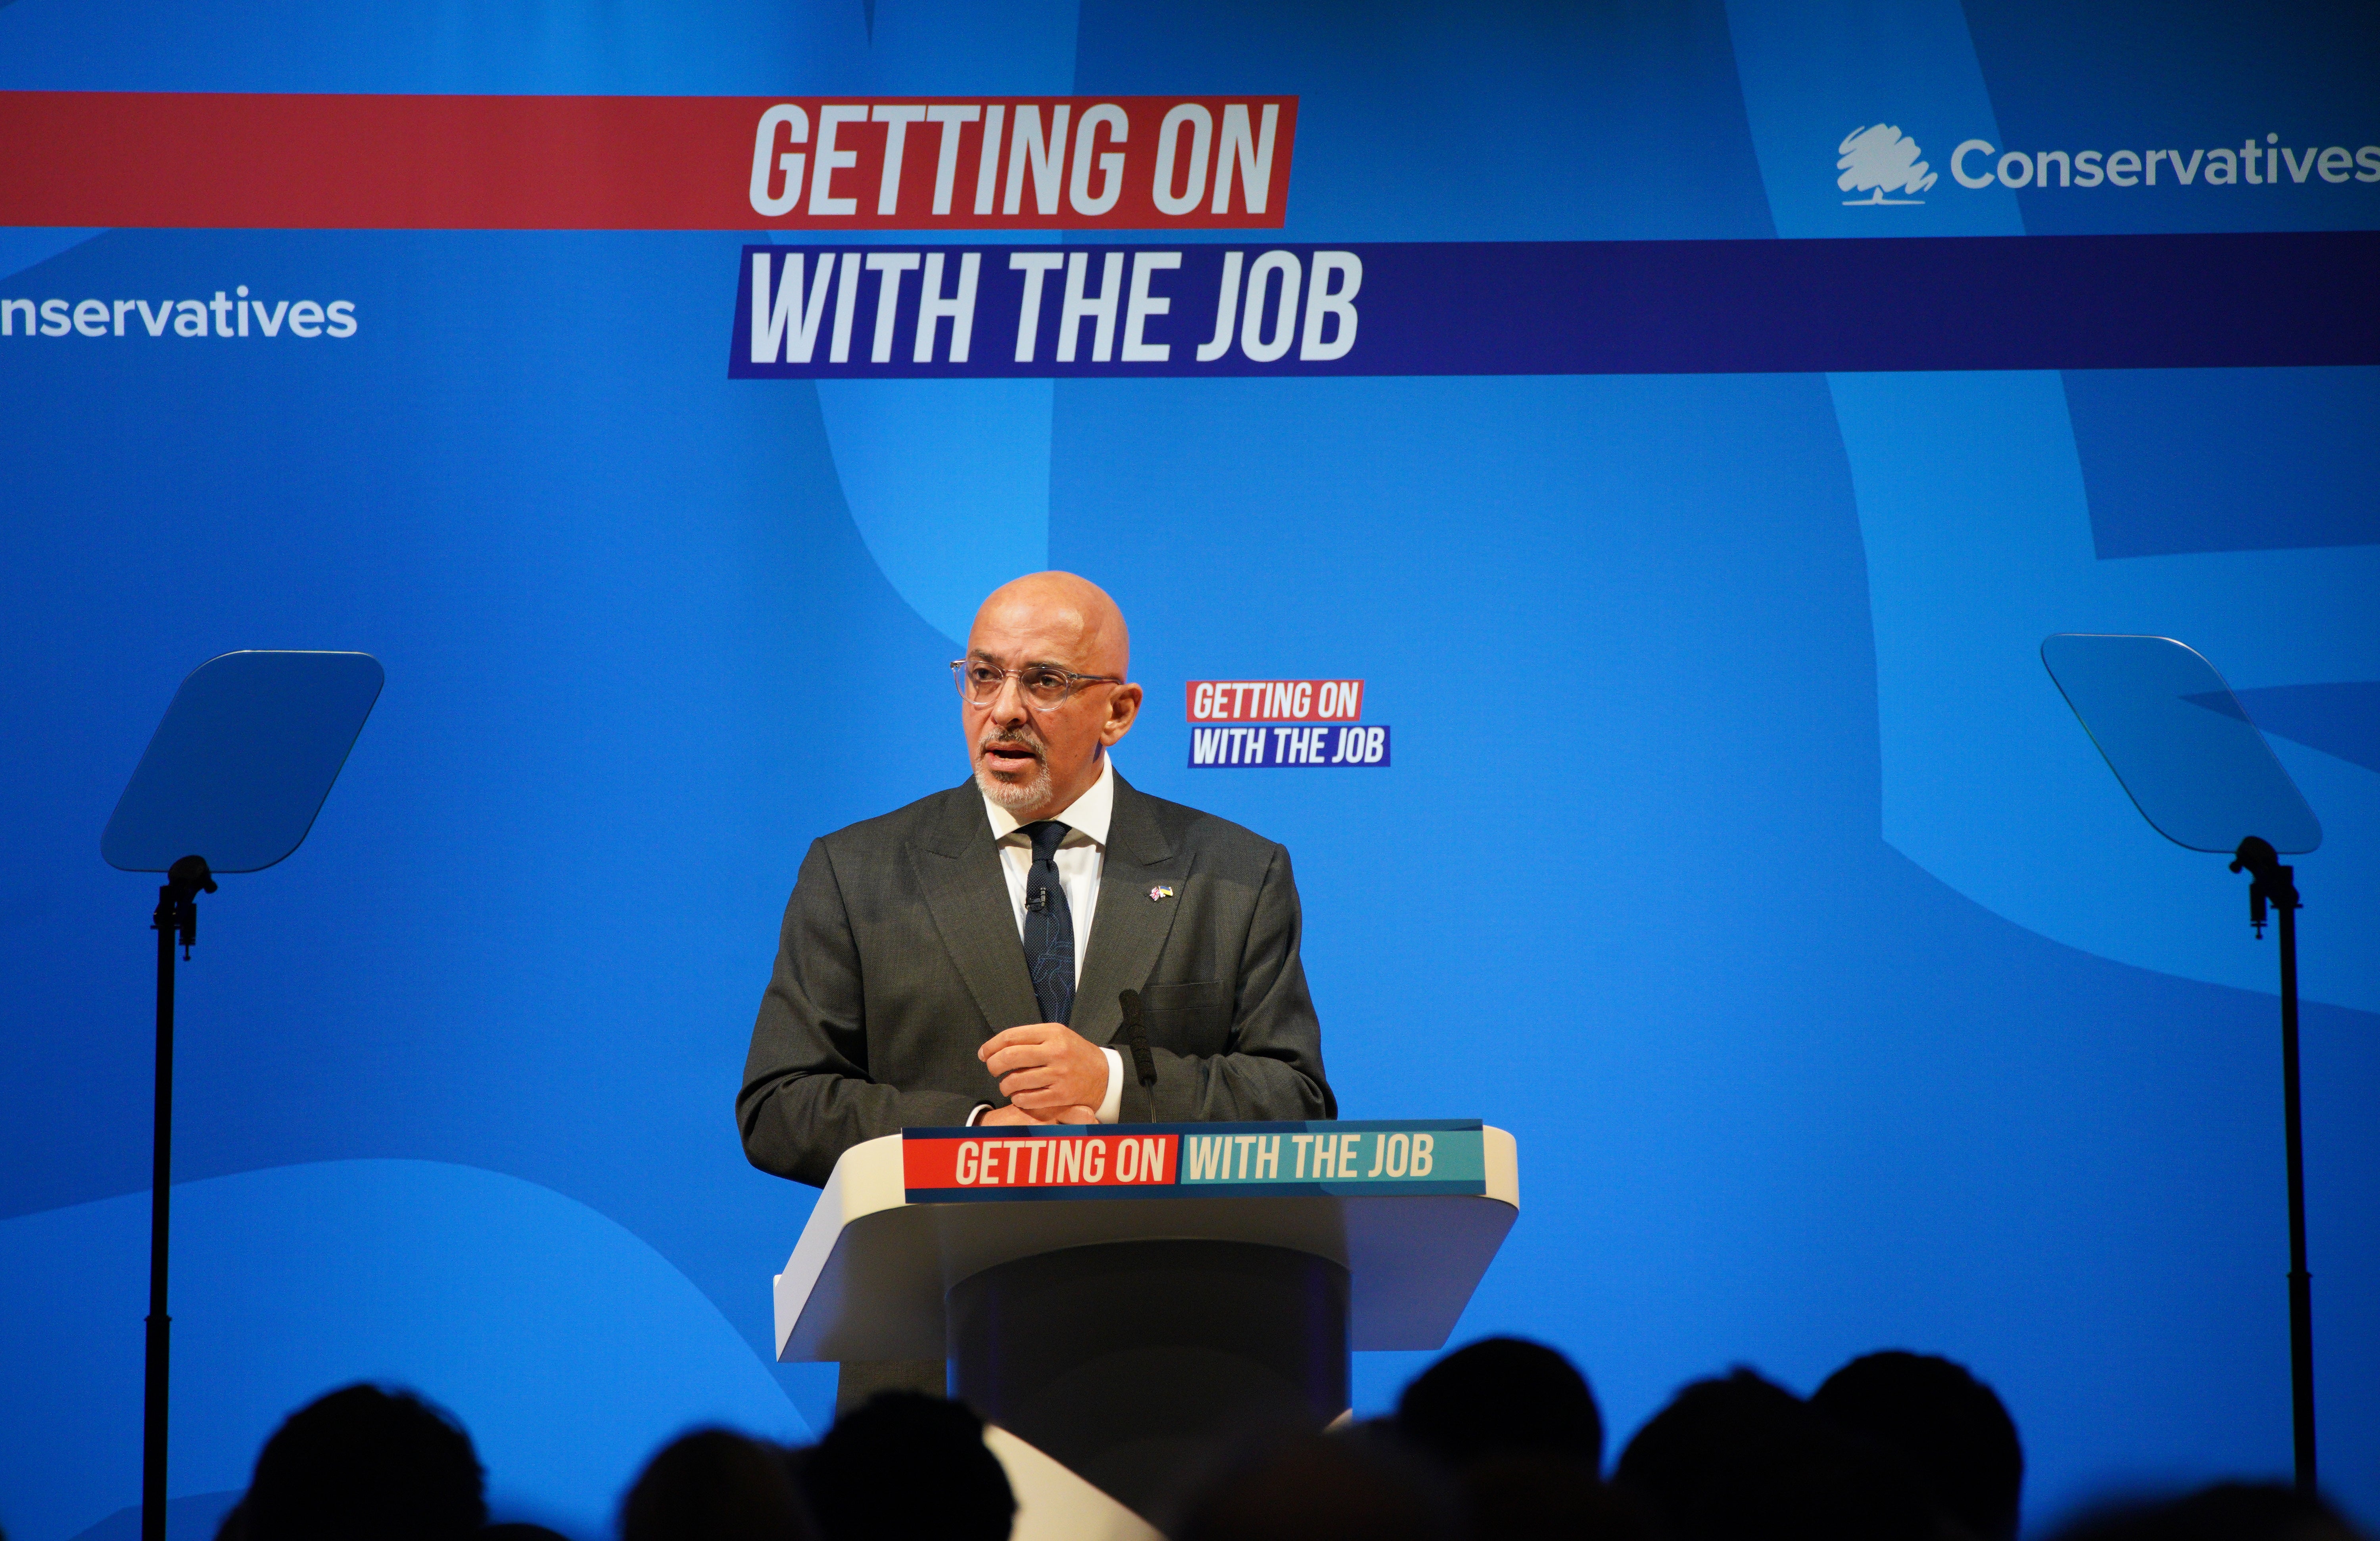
(1043, 685)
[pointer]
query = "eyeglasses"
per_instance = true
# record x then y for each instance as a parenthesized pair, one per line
(1042, 687)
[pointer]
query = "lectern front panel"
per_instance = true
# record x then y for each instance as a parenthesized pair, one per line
(1136, 1363)
(1414, 1210)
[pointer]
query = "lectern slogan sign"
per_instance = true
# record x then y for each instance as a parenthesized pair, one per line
(1347, 1159)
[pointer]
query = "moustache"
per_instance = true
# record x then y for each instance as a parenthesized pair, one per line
(1027, 741)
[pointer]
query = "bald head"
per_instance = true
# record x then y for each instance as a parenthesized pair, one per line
(1059, 608)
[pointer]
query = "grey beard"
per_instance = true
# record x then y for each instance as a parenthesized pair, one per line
(1014, 797)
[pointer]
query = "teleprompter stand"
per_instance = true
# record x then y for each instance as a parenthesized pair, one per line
(176, 924)
(2185, 751)
(231, 781)
(2275, 885)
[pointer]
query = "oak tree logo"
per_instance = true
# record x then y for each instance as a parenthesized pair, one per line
(1880, 160)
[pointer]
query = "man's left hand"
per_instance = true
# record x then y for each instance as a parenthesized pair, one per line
(1013, 1115)
(1047, 1064)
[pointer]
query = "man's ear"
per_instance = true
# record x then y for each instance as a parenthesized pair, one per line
(1123, 709)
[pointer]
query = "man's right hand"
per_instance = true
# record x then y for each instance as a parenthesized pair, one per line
(1060, 1115)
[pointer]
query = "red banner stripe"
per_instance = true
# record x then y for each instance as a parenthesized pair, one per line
(1040, 1162)
(202, 160)
(1273, 700)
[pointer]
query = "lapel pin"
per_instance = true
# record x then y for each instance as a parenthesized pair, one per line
(1162, 891)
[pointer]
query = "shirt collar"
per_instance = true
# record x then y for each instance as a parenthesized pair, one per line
(1088, 814)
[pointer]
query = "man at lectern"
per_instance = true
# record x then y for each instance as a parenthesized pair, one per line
(962, 960)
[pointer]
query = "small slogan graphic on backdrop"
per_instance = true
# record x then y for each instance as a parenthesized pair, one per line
(1348, 1158)
(1274, 700)
(1304, 723)
(1245, 748)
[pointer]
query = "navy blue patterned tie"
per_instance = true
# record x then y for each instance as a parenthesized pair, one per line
(1048, 924)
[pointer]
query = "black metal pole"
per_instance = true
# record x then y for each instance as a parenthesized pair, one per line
(2300, 1283)
(177, 923)
(2276, 885)
(161, 1180)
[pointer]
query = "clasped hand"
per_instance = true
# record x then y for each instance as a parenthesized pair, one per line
(1049, 1073)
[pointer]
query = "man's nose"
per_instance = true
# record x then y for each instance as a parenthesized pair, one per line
(1008, 705)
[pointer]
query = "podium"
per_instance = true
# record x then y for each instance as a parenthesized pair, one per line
(1130, 1299)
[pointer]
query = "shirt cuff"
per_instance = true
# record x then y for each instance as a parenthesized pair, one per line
(1111, 1100)
(980, 1108)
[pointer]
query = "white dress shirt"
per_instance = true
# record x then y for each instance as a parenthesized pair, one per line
(1078, 859)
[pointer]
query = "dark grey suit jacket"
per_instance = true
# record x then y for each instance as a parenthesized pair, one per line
(899, 957)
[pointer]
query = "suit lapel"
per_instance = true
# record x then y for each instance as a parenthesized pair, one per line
(958, 871)
(1129, 929)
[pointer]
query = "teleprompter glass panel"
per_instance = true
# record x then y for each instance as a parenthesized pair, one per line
(2180, 742)
(239, 765)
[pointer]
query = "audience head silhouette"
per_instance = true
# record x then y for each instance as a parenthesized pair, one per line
(714, 1486)
(1534, 1498)
(904, 1466)
(1740, 1459)
(365, 1464)
(1502, 1396)
(1318, 1488)
(2227, 1512)
(1948, 1428)
(1497, 1441)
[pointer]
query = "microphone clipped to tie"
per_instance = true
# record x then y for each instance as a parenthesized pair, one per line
(1144, 1063)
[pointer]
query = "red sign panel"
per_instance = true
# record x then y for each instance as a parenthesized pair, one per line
(247, 160)
(1275, 701)
(1040, 1162)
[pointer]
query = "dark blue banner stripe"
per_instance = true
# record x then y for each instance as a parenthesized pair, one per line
(2071, 302)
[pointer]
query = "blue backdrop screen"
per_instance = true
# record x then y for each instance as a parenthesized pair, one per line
(1734, 850)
